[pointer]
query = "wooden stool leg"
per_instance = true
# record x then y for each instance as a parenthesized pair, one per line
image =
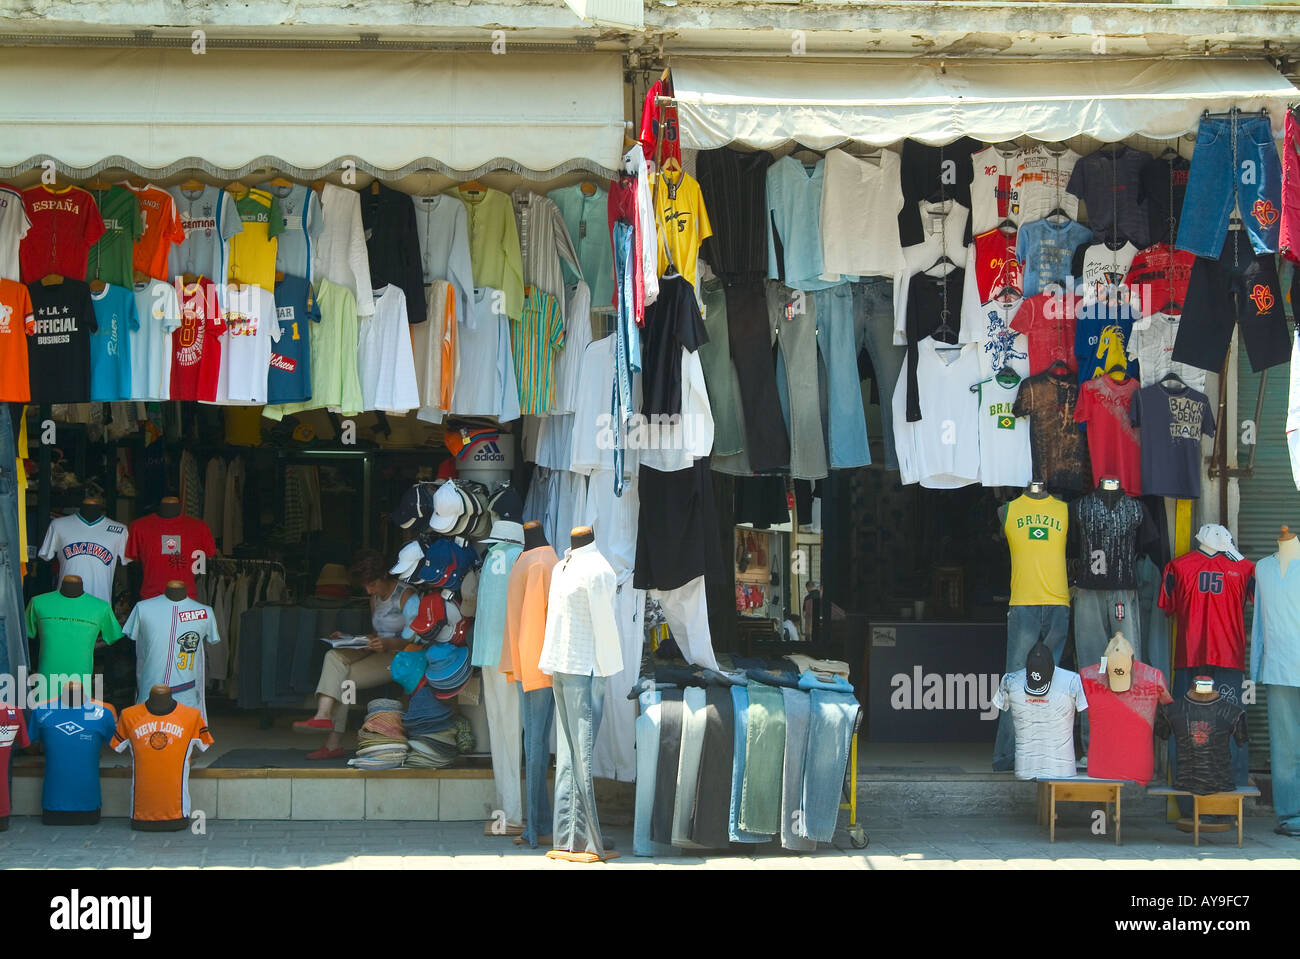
(1118, 815)
(1240, 801)
(1052, 833)
(1196, 820)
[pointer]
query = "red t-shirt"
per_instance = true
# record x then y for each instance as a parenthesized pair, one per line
(997, 271)
(1158, 276)
(1048, 324)
(1208, 594)
(196, 345)
(659, 123)
(65, 224)
(13, 732)
(165, 549)
(1120, 725)
(1114, 444)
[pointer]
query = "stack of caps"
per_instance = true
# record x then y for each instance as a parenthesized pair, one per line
(444, 563)
(440, 749)
(431, 618)
(427, 714)
(381, 743)
(460, 509)
(448, 670)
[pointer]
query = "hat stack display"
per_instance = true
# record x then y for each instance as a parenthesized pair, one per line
(437, 735)
(382, 742)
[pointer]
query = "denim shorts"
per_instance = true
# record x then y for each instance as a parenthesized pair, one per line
(1246, 173)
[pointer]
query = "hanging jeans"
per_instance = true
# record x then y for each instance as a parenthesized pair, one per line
(873, 313)
(1228, 683)
(538, 711)
(793, 320)
(579, 702)
(767, 443)
(1026, 625)
(505, 727)
(13, 639)
(740, 709)
(845, 416)
(793, 823)
(1235, 164)
(1284, 752)
(830, 736)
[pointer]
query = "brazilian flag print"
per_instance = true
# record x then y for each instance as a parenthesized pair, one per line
(1038, 532)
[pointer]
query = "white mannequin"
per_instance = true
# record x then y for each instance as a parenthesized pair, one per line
(1288, 549)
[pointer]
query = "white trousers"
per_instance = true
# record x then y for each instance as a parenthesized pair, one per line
(614, 756)
(687, 612)
(505, 726)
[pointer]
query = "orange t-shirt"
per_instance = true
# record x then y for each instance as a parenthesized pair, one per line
(16, 324)
(527, 594)
(160, 751)
(162, 228)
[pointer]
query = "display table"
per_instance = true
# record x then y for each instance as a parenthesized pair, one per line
(1215, 804)
(1078, 789)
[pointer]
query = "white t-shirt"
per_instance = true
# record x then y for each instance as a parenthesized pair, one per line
(251, 327)
(944, 225)
(1152, 344)
(593, 425)
(1004, 437)
(385, 359)
(994, 188)
(1041, 180)
(943, 447)
(988, 326)
(89, 550)
(1044, 724)
(577, 334)
(859, 199)
(169, 646)
(485, 385)
(1104, 268)
(14, 224)
(151, 344)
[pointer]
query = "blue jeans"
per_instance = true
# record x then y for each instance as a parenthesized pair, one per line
(873, 321)
(739, 705)
(1026, 625)
(831, 727)
(844, 416)
(579, 705)
(1284, 752)
(1230, 170)
(538, 708)
(1228, 683)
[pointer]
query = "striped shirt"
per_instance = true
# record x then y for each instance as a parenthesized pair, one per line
(538, 333)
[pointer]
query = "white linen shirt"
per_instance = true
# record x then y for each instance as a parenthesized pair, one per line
(341, 255)
(581, 626)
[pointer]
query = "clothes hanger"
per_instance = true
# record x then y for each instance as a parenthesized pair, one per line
(1061, 366)
(588, 188)
(97, 286)
(1006, 377)
(238, 188)
(374, 187)
(944, 260)
(1007, 226)
(136, 182)
(1120, 367)
(193, 186)
(51, 279)
(279, 182)
(98, 184)
(1178, 380)
(471, 186)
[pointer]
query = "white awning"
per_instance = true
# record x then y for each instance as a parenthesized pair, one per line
(762, 103)
(159, 111)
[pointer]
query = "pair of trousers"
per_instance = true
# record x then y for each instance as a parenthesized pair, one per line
(686, 610)
(844, 415)
(647, 767)
(505, 729)
(579, 702)
(1098, 615)
(760, 797)
(767, 444)
(1026, 625)
(1228, 682)
(830, 736)
(688, 765)
(1241, 288)
(793, 817)
(873, 312)
(672, 715)
(1284, 752)
(13, 642)
(793, 319)
(1235, 163)
(740, 709)
(538, 714)
(615, 756)
(363, 667)
(708, 826)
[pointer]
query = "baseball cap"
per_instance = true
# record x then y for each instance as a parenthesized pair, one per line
(431, 612)
(409, 610)
(1039, 667)
(505, 531)
(468, 513)
(408, 558)
(445, 563)
(1119, 664)
(448, 507)
(416, 504)
(460, 441)
(447, 666)
(506, 504)
(408, 669)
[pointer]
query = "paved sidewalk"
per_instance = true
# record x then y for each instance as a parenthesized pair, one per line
(967, 843)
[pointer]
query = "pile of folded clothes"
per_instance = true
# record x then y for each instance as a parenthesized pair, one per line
(382, 742)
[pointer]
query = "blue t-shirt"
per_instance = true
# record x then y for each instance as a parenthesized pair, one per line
(289, 380)
(1101, 334)
(73, 737)
(1047, 250)
(110, 345)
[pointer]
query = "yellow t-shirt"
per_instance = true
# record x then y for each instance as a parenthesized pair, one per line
(1035, 531)
(252, 252)
(683, 222)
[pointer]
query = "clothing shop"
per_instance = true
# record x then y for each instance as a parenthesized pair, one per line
(694, 456)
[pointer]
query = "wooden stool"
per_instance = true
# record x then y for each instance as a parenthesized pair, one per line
(1215, 804)
(1078, 789)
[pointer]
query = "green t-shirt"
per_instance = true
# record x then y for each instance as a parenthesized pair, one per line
(110, 258)
(67, 629)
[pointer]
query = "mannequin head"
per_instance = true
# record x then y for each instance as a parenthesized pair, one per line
(169, 508)
(92, 508)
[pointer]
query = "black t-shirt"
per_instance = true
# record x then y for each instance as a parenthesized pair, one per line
(927, 172)
(1164, 180)
(927, 299)
(1109, 539)
(671, 322)
(1202, 732)
(58, 352)
(1109, 182)
(734, 188)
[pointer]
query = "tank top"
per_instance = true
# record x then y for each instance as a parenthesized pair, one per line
(387, 618)
(1035, 531)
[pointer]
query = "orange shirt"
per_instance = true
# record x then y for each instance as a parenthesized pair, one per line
(160, 751)
(16, 324)
(527, 593)
(162, 228)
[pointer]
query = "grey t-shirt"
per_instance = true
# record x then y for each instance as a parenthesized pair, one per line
(1109, 182)
(1044, 724)
(303, 224)
(209, 218)
(169, 639)
(1171, 422)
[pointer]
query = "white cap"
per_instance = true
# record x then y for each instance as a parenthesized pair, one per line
(505, 531)
(407, 559)
(448, 506)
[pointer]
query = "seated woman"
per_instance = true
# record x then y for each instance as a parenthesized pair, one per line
(367, 667)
